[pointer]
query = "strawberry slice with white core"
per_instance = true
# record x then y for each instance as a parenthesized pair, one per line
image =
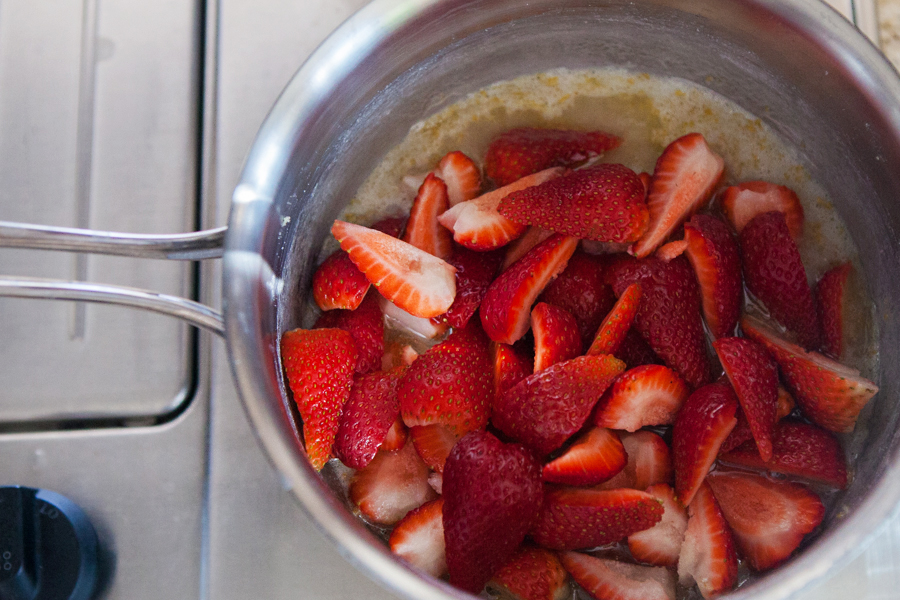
(422, 229)
(615, 326)
(461, 175)
(556, 336)
(640, 397)
(649, 462)
(521, 245)
(433, 443)
(419, 538)
(661, 544)
(397, 318)
(686, 174)
(596, 456)
(419, 283)
(396, 436)
(510, 367)
(604, 579)
(671, 250)
(742, 202)
(531, 574)
(708, 554)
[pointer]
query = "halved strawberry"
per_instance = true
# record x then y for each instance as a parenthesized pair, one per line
(784, 405)
(774, 273)
(520, 152)
(645, 178)
(830, 306)
(318, 365)
(769, 518)
(419, 538)
(684, 178)
(594, 457)
(492, 497)
(556, 335)
(702, 425)
(391, 485)
(337, 283)
(573, 518)
(531, 574)
(423, 230)
(365, 325)
(545, 408)
(671, 250)
(477, 225)
(461, 175)
(708, 554)
(396, 436)
(742, 202)
(506, 307)
(510, 367)
(417, 282)
(829, 393)
(433, 443)
(635, 351)
(615, 326)
(716, 260)
(520, 246)
(640, 397)
(661, 544)
(604, 202)
(603, 578)
(649, 462)
(474, 273)
(367, 416)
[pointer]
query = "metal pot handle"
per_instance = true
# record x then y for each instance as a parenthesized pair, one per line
(197, 245)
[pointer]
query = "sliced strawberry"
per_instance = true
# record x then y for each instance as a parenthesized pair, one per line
(640, 397)
(337, 283)
(573, 518)
(784, 405)
(477, 225)
(716, 260)
(769, 518)
(391, 485)
(830, 305)
(408, 355)
(661, 544)
(399, 319)
(506, 307)
(544, 409)
(671, 250)
(392, 226)
(510, 367)
(594, 457)
(604, 203)
(396, 436)
(645, 178)
(773, 272)
(433, 443)
(419, 538)
(520, 246)
(366, 325)
(615, 326)
(649, 462)
(742, 202)
(417, 282)
(474, 273)
(531, 574)
(423, 230)
(556, 335)
(520, 152)
(635, 351)
(461, 175)
(829, 393)
(367, 417)
(603, 578)
(451, 384)
(702, 425)
(492, 497)
(318, 365)
(684, 178)
(798, 449)
(436, 481)
(708, 554)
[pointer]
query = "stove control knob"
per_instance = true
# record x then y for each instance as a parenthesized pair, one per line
(48, 548)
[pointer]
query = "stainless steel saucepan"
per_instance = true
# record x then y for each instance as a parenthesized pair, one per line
(796, 64)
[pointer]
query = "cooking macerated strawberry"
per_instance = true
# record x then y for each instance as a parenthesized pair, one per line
(396, 436)
(391, 485)
(645, 180)
(773, 272)
(573, 518)
(451, 384)
(433, 443)
(769, 518)
(399, 319)
(531, 574)
(829, 393)
(615, 325)
(604, 203)
(702, 424)
(708, 554)
(367, 416)
(754, 377)
(520, 152)
(474, 273)
(543, 410)
(582, 290)
(520, 246)
(716, 259)
(635, 351)
(649, 462)
(603, 578)
(684, 178)
(661, 544)
(506, 307)
(419, 283)
(784, 405)
(337, 283)
(671, 250)
(742, 202)
(422, 229)
(492, 497)
(798, 449)
(366, 326)
(392, 226)
(319, 367)
(668, 316)
(477, 225)
(830, 305)
(419, 538)
(510, 367)
(461, 175)
(556, 336)
(594, 457)
(642, 396)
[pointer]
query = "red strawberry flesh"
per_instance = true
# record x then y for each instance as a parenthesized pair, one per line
(742, 202)
(461, 175)
(708, 555)
(596, 456)
(366, 326)
(604, 579)
(556, 336)
(532, 574)
(474, 273)
(423, 230)
(419, 538)
(661, 544)
(716, 260)
(615, 325)
(366, 418)
(641, 397)
(337, 283)
(830, 295)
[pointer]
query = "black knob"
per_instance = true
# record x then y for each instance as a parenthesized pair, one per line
(48, 547)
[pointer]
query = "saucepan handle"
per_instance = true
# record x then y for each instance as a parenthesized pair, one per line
(190, 246)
